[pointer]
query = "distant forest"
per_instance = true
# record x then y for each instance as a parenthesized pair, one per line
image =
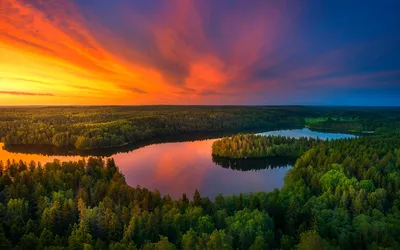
(106, 127)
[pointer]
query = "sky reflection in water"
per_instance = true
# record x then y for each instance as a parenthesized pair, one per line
(182, 167)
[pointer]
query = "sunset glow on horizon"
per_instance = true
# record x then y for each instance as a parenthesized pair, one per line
(197, 52)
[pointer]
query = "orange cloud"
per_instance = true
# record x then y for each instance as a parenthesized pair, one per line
(65, 51)
(50, 51)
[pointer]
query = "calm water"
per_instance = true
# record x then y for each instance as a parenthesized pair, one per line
(174, 168)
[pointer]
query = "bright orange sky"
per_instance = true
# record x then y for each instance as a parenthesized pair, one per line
(49, 55)
(196, 52)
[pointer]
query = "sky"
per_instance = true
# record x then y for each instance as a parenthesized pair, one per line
(225, 52)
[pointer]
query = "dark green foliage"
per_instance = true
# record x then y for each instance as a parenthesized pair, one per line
(88, 205)
(340, 194)
(367, 121)
(102, 127)
(259, 146)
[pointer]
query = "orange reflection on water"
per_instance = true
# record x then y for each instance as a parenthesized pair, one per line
(5, 155)
(176, 168)
(182, 167)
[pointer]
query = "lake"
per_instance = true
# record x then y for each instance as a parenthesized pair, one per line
(181, 167)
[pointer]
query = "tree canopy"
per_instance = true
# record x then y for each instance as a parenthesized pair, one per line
(259, 146)
(340, 194)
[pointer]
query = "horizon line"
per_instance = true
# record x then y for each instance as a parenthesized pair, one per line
(194, 105)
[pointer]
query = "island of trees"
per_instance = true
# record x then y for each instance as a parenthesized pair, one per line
(259, 146)
(342, 194)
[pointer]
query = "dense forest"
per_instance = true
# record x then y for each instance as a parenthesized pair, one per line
(102, 127)
(378, 120)
(340, 194)
(105, 127)
(256, 146)
(350, 125)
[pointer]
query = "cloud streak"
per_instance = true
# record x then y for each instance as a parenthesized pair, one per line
(192, 51)
(24, 93)
(139, 91)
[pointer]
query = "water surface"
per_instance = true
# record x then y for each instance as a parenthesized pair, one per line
(181, 167)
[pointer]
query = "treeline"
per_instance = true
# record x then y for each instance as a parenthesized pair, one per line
(340, 194)
(354, 119)
(333, 125)
(102, 127)
(256, 146)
